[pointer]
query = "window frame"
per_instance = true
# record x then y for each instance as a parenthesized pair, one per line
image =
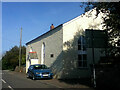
(82, 52)
(82, 43)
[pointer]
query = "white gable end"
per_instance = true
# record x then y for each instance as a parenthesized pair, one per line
(82, 22)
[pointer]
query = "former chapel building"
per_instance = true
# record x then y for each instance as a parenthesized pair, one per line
(67, 48)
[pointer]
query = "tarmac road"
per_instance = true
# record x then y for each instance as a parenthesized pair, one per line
(15, 80)
(12, 80)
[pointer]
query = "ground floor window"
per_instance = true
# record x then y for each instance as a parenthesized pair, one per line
(82, 60)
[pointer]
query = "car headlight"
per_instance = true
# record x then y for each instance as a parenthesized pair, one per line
(39, 73)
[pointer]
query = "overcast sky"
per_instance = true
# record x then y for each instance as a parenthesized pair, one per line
(35, 19)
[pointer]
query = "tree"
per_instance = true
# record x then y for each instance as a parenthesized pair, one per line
(11, 58)
(111, 21)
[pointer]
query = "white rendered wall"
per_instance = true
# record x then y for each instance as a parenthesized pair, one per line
(81, 22)
(53, 45)
(71, 33)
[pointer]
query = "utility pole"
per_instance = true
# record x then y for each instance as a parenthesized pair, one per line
(20, 57)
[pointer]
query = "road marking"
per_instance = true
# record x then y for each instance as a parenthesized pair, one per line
(3, 80)
(10, 87)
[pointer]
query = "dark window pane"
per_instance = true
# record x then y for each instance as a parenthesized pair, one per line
(84, 57)
(84, 41)
(84, 48)
(85, 63)
(79, 57)
(79, 40)
(79, 47)
(52, 55)
(79, 63)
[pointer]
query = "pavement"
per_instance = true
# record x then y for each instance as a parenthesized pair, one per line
(57, 83)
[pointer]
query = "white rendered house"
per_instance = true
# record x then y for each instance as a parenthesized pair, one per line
(62, 48)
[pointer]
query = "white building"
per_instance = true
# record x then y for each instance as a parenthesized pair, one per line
(61, 48)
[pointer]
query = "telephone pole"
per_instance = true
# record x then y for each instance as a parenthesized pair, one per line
(20, 57)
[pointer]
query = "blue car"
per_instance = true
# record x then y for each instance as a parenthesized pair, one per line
(39, 71)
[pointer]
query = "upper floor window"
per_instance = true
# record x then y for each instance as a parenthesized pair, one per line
(82, 56)
(82, 43)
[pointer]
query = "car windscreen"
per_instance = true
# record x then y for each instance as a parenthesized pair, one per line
(40, 67)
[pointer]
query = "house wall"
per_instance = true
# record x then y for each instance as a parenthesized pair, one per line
(71, 33)
(80, 23)
(53, 45)
(63, 43)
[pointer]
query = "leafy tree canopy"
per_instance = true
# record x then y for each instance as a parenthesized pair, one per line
(11, 58)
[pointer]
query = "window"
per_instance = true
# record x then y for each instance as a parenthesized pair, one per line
(31, 67)
(82, 60)
(82, 56)
(43, 53)
(81, 43)
(52, 55)
(40, 67)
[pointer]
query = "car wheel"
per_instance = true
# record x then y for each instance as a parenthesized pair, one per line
(33, 78)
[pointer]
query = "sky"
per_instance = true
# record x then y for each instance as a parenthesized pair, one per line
(35, 19)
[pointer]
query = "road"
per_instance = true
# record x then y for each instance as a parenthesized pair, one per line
(13, 80)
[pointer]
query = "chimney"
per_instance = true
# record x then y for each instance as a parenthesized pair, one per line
(51, 27)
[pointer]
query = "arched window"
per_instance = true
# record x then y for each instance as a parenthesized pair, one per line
(82, 43)
(82, 56)
(43, 54)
